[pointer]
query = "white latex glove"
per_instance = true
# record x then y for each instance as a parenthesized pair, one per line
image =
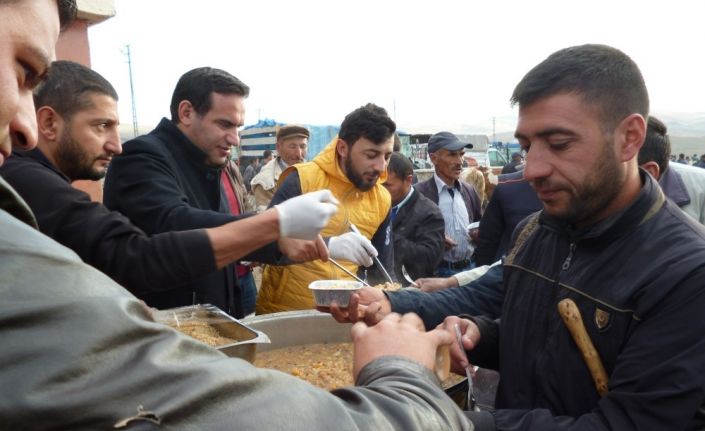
(353, 247)
(304, 216)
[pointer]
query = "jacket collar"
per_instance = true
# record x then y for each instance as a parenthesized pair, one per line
(440, 183)
(39, 156)
(673, 186)
(406, 199)
(649, 200)
(327, 160)
(179, 142)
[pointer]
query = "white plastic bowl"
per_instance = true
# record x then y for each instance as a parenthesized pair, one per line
(327, 291)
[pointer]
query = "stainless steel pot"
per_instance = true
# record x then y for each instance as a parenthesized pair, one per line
(291, 328)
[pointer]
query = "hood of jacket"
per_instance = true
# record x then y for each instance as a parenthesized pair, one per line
(327, 160)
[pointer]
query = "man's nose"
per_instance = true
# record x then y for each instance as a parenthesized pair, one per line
(233, 139)
(114, 145)
(23, 126)
(537, 163)
(380, 164)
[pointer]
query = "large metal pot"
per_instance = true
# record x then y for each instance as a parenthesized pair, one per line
(291, 328)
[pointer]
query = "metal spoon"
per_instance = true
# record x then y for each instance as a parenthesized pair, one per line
(468, 370)
(407, 277)
(345, 270)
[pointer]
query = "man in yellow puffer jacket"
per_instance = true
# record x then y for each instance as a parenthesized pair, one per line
(353, 166)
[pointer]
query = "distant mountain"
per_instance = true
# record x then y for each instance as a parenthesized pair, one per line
(687, 130)
(684, 125)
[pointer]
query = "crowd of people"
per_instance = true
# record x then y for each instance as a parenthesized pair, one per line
(593, 210)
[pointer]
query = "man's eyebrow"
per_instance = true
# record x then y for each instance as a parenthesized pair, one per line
(548, 132)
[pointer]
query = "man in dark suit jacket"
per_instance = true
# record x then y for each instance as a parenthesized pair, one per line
(458, 201)
(512, 200)
(417, 223)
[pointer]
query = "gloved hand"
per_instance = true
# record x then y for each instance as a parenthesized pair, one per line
(304, 216)
(353, 247)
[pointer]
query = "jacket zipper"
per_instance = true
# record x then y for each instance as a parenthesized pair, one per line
(564, 267)
(569, 258)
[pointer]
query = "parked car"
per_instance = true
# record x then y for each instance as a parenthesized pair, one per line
(492, 158)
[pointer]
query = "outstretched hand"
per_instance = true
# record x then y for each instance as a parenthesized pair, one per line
(367, 305)
(400, 336)
(303, 217)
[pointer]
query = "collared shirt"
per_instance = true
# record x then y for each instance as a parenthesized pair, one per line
(456, 218)
(397, 207)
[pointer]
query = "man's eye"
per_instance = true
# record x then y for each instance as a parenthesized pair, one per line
(31, 77)
(559, 145)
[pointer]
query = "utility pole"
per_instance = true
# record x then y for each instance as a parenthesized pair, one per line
(135, 126)
(494, 139)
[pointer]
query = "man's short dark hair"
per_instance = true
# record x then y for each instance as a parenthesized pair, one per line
(605, 77)
(657, 145)
(68, 88)
(67, 12)
(400, 165)
(199, 84)
(370, 122)
(267, 154)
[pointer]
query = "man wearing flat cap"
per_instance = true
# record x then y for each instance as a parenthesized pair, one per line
(292, 143)
(457, 199)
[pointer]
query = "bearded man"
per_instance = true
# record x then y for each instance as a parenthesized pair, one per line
(354, 167)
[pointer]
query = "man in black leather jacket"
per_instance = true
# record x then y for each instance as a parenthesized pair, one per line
(609, 240)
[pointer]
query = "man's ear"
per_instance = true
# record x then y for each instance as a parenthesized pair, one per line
(631, 133)
(186, 112)
(341, 148)
(432, 156)
(652, 168)
(48, 123)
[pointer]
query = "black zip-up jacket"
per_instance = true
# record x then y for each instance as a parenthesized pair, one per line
(637, 278)
(102, 238)
(161, 182)
(418, 230)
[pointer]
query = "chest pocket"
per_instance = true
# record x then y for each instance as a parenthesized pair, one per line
(608, 329)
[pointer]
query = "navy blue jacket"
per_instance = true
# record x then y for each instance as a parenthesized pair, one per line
(512, 200)
(482, 297)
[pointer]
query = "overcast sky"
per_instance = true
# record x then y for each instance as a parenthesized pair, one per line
(431, 64)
